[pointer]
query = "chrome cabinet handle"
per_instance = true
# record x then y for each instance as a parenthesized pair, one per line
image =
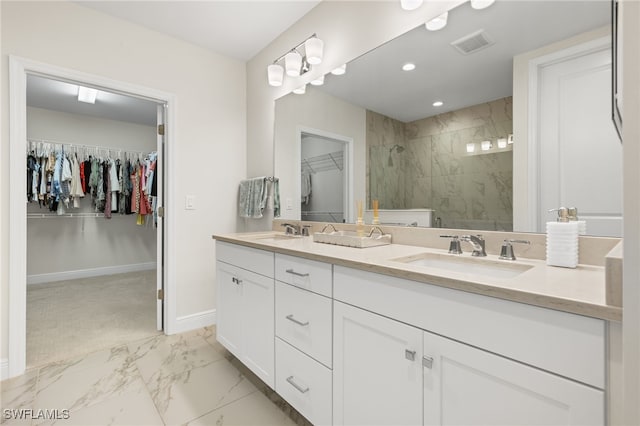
(297, 386)
(292, 319)
(427, 361)
(236, 280)
(410, 355)
(298, 274)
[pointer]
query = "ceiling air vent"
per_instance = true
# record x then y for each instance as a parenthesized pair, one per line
(473, 42)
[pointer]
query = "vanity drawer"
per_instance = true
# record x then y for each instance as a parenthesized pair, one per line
(304, 273)
(254, 260)
(303, 383)
(304, 320)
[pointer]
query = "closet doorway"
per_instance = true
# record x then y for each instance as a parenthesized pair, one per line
(24, 139)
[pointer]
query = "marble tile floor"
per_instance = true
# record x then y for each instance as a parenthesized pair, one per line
(183, 379)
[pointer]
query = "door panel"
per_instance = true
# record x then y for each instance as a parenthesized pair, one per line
(159, 176)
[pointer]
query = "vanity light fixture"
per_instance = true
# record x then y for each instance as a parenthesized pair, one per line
(471, 147)
(300, 90)
(481, 4)
(437, 23)
(318, 81)
(297, 61)
(437, 103)
(486, 145)
(342, 69)
(410, 4)
(87, 95)
(409, 66)
(502, 143)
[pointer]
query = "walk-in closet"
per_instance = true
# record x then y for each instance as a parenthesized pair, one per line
(94, 176)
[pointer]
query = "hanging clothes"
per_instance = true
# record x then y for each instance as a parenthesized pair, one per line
(76, 183)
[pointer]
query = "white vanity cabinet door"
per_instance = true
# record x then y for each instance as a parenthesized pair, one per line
(377, 370)
(303, 319)
(245, 318)
(304, 273)
(464, 385)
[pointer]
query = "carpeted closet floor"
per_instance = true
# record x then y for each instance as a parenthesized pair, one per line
(68, 318)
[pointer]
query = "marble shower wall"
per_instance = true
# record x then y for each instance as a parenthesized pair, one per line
(434, 170)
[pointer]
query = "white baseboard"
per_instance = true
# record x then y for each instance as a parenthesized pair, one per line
(87, 273)
(4, 369)
(192, 322)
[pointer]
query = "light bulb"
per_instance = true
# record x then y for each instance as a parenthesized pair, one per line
(275, 73)
(409, 66)
(481, 4)
(313, 48)
(437, 23)
(471, 147)
(319, 81)
(410, 4)
(300, 90)
(502, 143)
(486, 145)
(293, 63)
(340, 70)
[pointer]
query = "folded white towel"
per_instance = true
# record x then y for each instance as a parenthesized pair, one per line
(253, 197)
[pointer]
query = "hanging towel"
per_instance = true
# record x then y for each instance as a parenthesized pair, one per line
(276, 197)
(253, 197)
(305, 186)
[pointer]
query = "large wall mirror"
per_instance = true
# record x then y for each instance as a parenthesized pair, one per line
(505, 115)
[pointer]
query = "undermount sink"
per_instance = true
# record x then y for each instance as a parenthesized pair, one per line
(466, 265)
(275, 237)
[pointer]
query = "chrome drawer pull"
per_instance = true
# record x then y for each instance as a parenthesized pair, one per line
(427, 361)
(410, 355)
(292, 319)
(236, 280)
(298, 274)
(297, 386)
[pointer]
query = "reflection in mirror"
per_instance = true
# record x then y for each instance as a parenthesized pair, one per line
(443, 136)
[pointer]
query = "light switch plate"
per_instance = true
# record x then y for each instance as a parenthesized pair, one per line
(190, 202)
(289, 204)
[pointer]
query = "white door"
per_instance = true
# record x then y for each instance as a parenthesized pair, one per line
(159, 177)
(468, 386)
(377, 375)
(580, 154)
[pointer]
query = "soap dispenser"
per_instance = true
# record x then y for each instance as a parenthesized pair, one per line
(562, 240)
(573, 216)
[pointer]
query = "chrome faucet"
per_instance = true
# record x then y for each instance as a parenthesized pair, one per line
(477, 242)
(291, 229)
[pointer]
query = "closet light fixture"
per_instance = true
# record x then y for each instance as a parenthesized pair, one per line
(502, 143)
(437, 23)
(297, 61)
(340, 70)
(410, 4)
(471, 147)
(481, 4)
(486, 145)
(87, 95)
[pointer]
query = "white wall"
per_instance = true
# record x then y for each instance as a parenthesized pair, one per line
(209, 133)
(318, 111)
(349, 29)
(92, 245)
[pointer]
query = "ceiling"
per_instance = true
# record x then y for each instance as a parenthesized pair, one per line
(238, 29)
(376, 81)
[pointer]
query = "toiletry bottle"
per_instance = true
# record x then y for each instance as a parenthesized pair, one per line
(359, 220)
(376, 218)
(582, 224)
(562, 240)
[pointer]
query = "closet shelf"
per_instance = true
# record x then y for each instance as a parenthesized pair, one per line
(323, 163)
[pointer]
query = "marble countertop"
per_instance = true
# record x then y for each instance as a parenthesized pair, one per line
(580, 291)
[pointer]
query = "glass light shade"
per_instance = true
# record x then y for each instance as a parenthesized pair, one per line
(410, 4)
(471, 147)
(486, 145)
(87, 95)
(293, 63)
(275, 73)
(319, 81)
(502, 143)
(481, 4)
(300, 90)
(438, 22)
(313, 48)
(409, 66)
(340, 70)
(437, 103)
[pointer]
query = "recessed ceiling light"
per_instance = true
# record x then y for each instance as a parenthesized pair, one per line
(438, 103)
(408, 66)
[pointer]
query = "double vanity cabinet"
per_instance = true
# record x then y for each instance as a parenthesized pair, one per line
(346, 346)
